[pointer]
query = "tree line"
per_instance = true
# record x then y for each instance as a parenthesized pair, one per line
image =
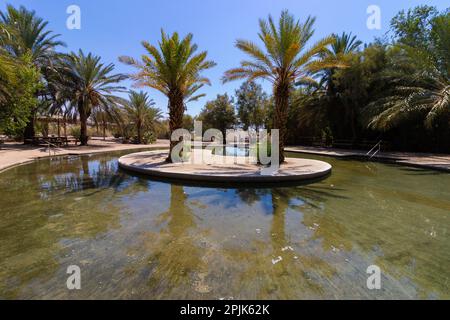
(395, 88)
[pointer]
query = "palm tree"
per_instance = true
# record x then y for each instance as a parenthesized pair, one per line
(285, 61)
(343, 46)
(140, 111)
(423, 89)
(28, 36)
(338, 110)
(174, 69)
(87, 83)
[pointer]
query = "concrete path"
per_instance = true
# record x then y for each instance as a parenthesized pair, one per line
(217, 168)
(423, 160)
(12, 154)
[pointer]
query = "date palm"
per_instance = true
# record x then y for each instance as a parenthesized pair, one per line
(28, 35)
(284, 61)
(343, 46)
(87, 83)
(173, 68)
(141, 111)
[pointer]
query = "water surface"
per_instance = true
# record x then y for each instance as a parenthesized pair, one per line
(135, 238)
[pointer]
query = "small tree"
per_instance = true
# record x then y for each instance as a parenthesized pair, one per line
(219, 114)
(17, 104)
(141, 112)
(250, 105)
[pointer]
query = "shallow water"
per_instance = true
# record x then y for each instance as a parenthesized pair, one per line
(137, 238)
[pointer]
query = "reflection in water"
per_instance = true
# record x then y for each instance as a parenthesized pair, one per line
(175, 257)
(137, 238)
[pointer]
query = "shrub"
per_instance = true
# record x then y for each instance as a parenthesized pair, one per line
(327, 137)
(149, 137)
(76, 133)
(263, 148)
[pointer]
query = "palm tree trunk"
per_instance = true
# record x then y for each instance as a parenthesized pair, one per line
(139, 132)
(65, 125)
(83, 123)
(176, 112)
(281, 110)
(104, 125)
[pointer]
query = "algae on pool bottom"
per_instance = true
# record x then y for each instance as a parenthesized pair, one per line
(133, 237)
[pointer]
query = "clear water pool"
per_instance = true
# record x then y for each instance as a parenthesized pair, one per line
(137, 238)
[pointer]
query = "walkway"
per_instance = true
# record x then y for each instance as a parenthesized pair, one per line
(12, 154)
(423, 160)
(16, 153)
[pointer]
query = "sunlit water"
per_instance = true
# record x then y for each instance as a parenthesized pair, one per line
(135, 238)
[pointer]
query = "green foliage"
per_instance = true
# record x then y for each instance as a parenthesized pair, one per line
(188, 122)
(17, 106)
(285, 57)
(175, 69)
(148, 137)
(419, 77)
(139, 112)
(263, 148)
(398, 90)
(218, 114)
(28, 35)
(327, 137)
(285, 60)
(162, 129)
(413, 27)
(251, 100)
(75, 132)
(86, 83)
(174, 66)
(25, 37)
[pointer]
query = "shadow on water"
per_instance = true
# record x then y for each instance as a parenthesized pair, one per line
(423, 171)
(227, 184)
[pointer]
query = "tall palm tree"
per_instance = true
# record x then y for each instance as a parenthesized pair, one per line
(424, 89)
(140, 110)
(28, 36)
(87, 83)
(285, 61)
(175, 70)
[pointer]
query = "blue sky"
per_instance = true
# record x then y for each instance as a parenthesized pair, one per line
(111, 28)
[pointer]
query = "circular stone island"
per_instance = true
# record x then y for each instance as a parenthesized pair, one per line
(222, 169)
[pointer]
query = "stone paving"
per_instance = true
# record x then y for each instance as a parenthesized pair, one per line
(12, 154)
(423, 160)
(218, 168)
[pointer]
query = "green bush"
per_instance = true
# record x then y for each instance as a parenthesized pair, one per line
(75, 132)
(149, 137)
(117, 134)
(327, 137)
(264, 148)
